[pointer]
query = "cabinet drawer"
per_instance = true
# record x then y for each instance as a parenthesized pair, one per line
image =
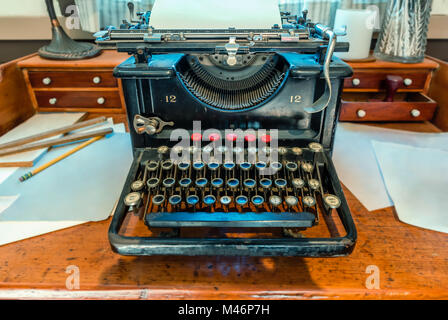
(72, 79)
(376, 79)
(78, 99)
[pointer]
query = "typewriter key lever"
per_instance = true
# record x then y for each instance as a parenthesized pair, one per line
(150, 126)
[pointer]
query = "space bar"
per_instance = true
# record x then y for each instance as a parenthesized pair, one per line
(230, 219)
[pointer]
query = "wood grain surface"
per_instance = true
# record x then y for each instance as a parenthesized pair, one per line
(413, 264)
(439, 92)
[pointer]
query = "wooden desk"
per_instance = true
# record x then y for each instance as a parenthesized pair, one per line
(413, 264)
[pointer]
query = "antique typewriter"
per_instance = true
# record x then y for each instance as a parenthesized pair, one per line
(232, 133)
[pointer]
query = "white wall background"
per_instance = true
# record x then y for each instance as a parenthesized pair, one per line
(24, 8)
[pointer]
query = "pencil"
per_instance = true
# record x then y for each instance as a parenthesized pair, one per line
(52, 162)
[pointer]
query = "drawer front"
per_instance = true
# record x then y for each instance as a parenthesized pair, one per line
(72, 79)
(376, 80)
(78, 99)
(395, 111)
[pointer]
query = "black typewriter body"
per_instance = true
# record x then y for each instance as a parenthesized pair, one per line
(268, 170)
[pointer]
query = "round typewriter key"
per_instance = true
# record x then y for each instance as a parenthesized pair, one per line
(213, 166)
(231, 137)
(163, 150)
(229, 166)
(217, 183)
(233, 183)
(291, 166)
(183, 166)
(257, 200)
(132, 199)
(297, 151)
(280, 183)
(209, 200)
(266, 183)
(167, 165)
(169, 182)
(152, 183)
(252, 150)
(298, 183)
(291, 201)
(250, 138)
(308, 201)
(185, 183)
(307, 167)
(192, 200)
(175, 200)
(241, 200)
(201, 182)
(222, 149)
(276, 166)
(250, 183)
(137, 185)
(275, 201)
(225, 200)
(198, 165)
(266, 138)
(260, 165)
(196, 136)
(282, 151)
(315, 147)
(332, 201)
(158, 199)
(152, 166)
(314, 184)
(178, 149)
(214, 137)
(245, 166)
(238, 150)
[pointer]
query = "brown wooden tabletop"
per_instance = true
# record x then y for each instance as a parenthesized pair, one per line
(412, 264)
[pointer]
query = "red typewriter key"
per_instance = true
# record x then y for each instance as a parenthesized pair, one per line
(214, 137)
(196, 137)
(231, 137)
(266, 138)
(250, 138)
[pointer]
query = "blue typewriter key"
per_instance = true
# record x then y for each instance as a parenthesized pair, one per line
(257, 200)
(291, 166)
(167, 165)
(158, 200)
(169, 182)
(233, 183)
(185, 183)
(192, 200)
(198, 165)
(225, 200)
(209, 200)
(152, 183)
(183, 166)
(280, 183)
(250, 183)
(213, 166)
(245, 166)
(276, 165)
(266, 183)
(229, 165)
(260, 165)
(201, 182)
(217, 183)
(175, 200)
(241, 200)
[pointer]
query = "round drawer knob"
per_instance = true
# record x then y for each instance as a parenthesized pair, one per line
(101, 100)
(361, 113)
(53, 101)
(407, 82)
(415, 113)
(46, 81)
(96, 80)
(356, 82)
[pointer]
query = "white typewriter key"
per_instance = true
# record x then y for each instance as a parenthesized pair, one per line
(252, 150)
(163, 150)
(276, 166)
(314, 184)
(332, 201)
(222, 149)
(291, 166)
(174, 200)
(309, 201)
(152, 183)
(167, 165)
(297, 151)
(315, 147)
(132, 199)
(152, 166)
(225, 201)
(238, 150)
(291, 201)
(307, 167)
(282, 151)
(298, 183)
(178, 149)
(137, 185)
(158, 199)
(275, 201)
(207, 149)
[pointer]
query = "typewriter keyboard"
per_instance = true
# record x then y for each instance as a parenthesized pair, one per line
(229, 194)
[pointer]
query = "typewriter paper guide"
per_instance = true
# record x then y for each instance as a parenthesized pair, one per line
(215, 14)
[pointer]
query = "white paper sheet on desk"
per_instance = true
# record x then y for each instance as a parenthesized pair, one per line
(417, 181)
(356, 164)
(215, 14)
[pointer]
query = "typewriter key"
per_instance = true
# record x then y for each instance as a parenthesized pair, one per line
(275, 201)
(201, 182)
(183, 166)
(198, 165)
(152, 166)
(298, 183)
(307, 167)
(209, 200)
(291, 201)
(233, 183)
(241, 200)
(332, 201)
(229, 166)
(192, 200)
(158, 199)
(308, 201)
(238, 150)
(276, 166)
(282, 151)
(225, 200)
(163, 150)
(260, 165)
(175, 200)
(152, 183)
(222, 149)
(257, 200)
(314, 184)
(297, 151)
(281, 183)
(169, 182)
(245, 166)
(185, 183)
(315, 147)
(291, 166)
(178, 149)
(252, 150)
(132, 199)
(266, 183)
(137, 185)
(167, 165)
(217, 183)
(213, 166)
